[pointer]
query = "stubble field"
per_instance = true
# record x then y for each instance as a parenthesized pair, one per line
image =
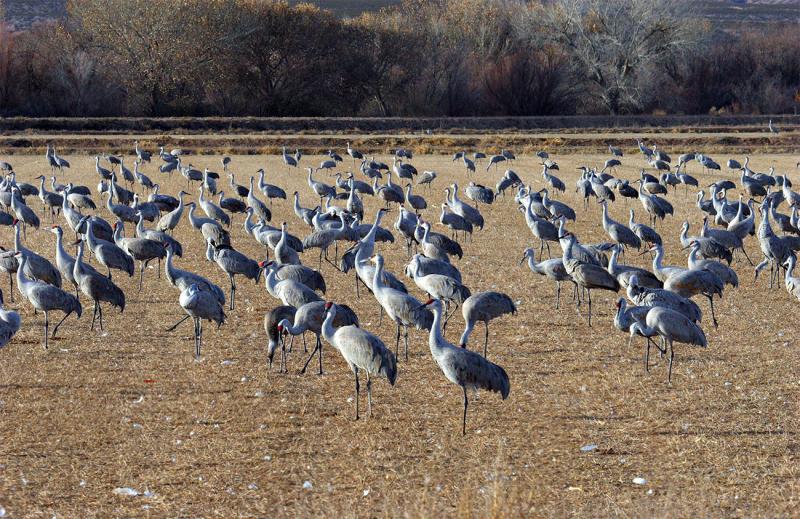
(224, 436)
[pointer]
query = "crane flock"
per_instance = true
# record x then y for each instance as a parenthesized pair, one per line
(660, 300)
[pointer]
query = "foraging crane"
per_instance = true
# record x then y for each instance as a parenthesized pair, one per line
(484, 307)
(96, 287)
(45, 298)
(310, 317)
(673, 327)
(402, 308)
(274, 336)
(479, 193)
(230, 204)
(362, 351)
(586, 275)
(690, 283)
(551, 269)
(201, 305)
(494, 160)
(463, 367)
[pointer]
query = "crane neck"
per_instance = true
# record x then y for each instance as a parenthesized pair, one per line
(17, 242)
(435, 340)
(77, 267)
(377, 276)
(790, 269)
(692, 261)
(22, 280)
(271, 280)
(327, 329)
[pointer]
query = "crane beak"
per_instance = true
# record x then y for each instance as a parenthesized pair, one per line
(522, 260)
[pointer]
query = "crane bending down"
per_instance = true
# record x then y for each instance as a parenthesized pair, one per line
(484, 306)
(672, 326)
(362, 351)
(463, 367)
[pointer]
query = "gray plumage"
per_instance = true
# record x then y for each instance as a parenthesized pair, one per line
(183, 279)
(96, 287)
(552, 269)
(233, 262)
(271, 320)
(289, 291)
(484, 307)
(643, 296)
(201, 305)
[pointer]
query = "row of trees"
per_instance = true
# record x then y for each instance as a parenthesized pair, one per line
(423, 57)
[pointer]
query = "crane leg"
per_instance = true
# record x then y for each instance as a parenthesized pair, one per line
(46, 328)
(380, 318)
(647, 355)
(55, 330)
(369, 395)
(283, 368)
(94, 315)
(397, 341)
(464, 419)
(405, 340)
(558, 294)
(314, 352)
(713, 315)
(233, 291)
(485, 337)
(671, 359)
(357, 294)
(11, 281)
(358, 386)
(199, 336)
(319, 347)
(589, 297)
(171, 328)
(142, 264)
(305, 347)
(100, 315)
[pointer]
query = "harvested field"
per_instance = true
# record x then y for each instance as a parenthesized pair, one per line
(226, 437)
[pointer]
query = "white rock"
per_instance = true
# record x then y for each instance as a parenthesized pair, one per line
(126, 491)
(307, 485)
(589, 448)
(639, 481)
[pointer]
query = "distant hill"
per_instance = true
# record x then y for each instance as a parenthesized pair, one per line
(23, 13)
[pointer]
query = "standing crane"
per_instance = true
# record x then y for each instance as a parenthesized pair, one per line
(587, 275)
(233, 262)
(362, 351)
(289, 291)
(552, 269)
(96, 287)
(143, 250)
(274, 336)
(619, 233)
(45, 298)
(201, 305)
(463, 367)
(10, 322)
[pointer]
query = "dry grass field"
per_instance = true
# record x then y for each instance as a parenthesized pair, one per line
(226, 437)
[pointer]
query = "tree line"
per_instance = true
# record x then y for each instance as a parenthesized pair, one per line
(419, 58)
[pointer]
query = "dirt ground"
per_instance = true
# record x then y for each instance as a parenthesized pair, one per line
(130, 408)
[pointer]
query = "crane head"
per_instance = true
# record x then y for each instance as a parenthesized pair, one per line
(328, 305)
(15, 222)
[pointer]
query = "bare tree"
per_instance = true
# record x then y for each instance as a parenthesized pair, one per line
(615, 43)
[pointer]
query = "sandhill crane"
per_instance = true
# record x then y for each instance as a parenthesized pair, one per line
(233, 262)
(775, 249)
(626, 316)
(673, 327)
(354, 154)
(269, 190)
(416, 202)
(454, 222)
(51, 201)
(310, 317)
(645, 233)
(304, 213)
(587, 275)
(10, 322)
(438, 240)
(289, 291)
(240, 190)
(624, 273)
(617, 152)
(142, 179)
(96, 287)
(65, 262)
(210, 229)
(274, 336)
(479, 193)
(201, 305)
(557, 209)
(619, 233)
(425, 266)
(37, 267)
(141, 155)
(791, 283)
(651, 204)
(123, 212)
(24, 214)
(259, 208)
(551, 269)
(77, 198)
(469, 164)
(402, 308)
(643, 296)
(540, 227)
(284, 253)
(494, 160)
(709, 248)
(662, 272)
(212, 210)
(169, 221)
(390, 192)
(463, 367)
(290, 161)
(556, 183)
(484, 307)
(108, 254)
(230, 204)
(689, 283)
(611, 164)
(182, 279)
(772, 129)
(60, 161)
(143, 250)
(469, 213)
(442, 287)
(149, 210)
(725, 273)
(430, 249)
(45, 298)
(362, 351)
